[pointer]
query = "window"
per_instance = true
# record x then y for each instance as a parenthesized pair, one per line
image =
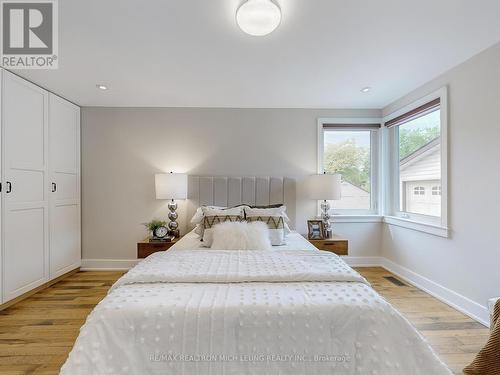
(351, 151)
(436, 190)
(417, 138)
(419, 147)
(419, 190)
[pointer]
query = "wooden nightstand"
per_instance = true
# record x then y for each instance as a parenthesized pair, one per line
(146, 248)
(335, 245)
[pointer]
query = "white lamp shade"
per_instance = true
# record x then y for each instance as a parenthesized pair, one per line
(324, 187)
(171, 185)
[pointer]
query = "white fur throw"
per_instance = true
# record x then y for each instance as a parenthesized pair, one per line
(241, 236)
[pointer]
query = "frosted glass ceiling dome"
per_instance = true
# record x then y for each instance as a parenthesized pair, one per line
(258, 17)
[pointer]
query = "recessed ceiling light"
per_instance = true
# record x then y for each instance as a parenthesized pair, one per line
(101, 86)
(366, 89)
(258, 17)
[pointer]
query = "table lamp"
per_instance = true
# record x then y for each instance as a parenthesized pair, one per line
(171, 186)
(325, 187)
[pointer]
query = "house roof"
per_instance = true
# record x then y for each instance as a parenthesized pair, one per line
(420, 153)
(355, 186)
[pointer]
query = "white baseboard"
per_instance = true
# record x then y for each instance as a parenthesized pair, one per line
(363, 261)
(107, 264)
(459, 302)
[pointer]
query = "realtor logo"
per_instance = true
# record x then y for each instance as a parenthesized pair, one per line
(29, 34)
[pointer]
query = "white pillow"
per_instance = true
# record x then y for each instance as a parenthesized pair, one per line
(197, 218)
(213, 216)
(241, 236)
(275, 218)
(198, 215)
(275, 211)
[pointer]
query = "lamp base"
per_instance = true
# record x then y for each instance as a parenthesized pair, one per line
(173, 226)
(325, 216)
(174, 232)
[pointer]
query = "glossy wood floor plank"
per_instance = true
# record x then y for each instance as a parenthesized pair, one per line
(37, 334)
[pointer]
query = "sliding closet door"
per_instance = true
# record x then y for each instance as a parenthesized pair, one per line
(64, 166)
(24, 186)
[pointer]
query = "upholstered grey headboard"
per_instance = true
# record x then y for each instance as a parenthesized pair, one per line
(231, 191)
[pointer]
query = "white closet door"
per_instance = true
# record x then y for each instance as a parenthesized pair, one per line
(64, 166)
(24, 185)
(1, 176)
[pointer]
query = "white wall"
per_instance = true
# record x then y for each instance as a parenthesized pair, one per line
(468, 261)
(122, 148)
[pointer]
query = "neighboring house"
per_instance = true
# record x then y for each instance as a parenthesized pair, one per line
(420, 177)
(352, 197)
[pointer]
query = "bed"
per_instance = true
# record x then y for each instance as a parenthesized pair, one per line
(290, 310)
(293, 310)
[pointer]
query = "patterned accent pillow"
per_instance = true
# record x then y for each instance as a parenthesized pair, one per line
(210, 221)
(273, 222)
(213, 216)
(274, 218)
(198, 215)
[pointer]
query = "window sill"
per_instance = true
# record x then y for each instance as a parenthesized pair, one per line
(391, 220)
(418, 226)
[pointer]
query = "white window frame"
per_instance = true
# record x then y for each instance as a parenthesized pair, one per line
(429, 224)
(353, 124)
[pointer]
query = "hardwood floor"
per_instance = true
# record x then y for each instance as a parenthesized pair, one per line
(455, 337)
(37, 334)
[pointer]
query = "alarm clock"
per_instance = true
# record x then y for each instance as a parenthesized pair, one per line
(160, 232)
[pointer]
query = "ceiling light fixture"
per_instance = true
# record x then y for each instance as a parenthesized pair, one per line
(258, 17)
(101, 87)
(366, 89)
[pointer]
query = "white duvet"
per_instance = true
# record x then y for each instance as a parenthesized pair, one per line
(247, 312)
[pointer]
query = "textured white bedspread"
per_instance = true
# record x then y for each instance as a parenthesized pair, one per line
(237, 266)
(221, 312)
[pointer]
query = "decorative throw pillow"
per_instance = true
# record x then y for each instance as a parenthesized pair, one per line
(241, 236)
(197, 219)
(198, 215)
(274, 218)
(213, 216)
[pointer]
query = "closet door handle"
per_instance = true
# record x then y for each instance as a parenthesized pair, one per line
(9, 187)
(54, 187)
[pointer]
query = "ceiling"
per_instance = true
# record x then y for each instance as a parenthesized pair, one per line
(191, 53)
